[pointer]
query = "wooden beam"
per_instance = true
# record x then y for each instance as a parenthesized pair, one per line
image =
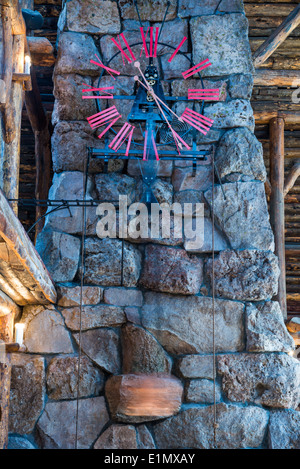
(267, 77)
(39, 123)
(277, 202)
(15, 281)
(6, 335)
(21, 77)
(10, 156)
(34, 106)
(19, 243)
(14, 31)
(14, 348)
(291, 178)
(9, 311)
(18, 23)
(7, 64)
(289, 117)
(41, 51)
(277, 38)
(7, 306)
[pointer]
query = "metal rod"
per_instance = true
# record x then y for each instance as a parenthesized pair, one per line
(163, 22)
(166, 155)
(138, 13)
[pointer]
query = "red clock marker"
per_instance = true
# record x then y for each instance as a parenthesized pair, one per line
(175, 52)
(197, 68)
(198, 121)
(152, 140)
(145, 156)
(91, 89)
(154, 147)
(110, 115)
(124, 55)
(109, 70)
(204, 94)
(125, 132)
(153, 47)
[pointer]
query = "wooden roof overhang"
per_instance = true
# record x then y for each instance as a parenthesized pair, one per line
(23, 275)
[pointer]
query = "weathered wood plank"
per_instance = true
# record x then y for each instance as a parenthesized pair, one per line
(289, 45)
(49, 9)
(15, 281)
(277, 78)
(10, 157)
(290, 117)
(7, 62)
(18, 23)
(6, 335)
(39, 124)
(277, 38)
(260, 1)
(268, 9)
(41, 51)
(283, 106)
(50, 2)
(18, 242)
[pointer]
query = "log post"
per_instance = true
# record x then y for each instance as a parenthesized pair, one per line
(277, 202)
(11, 154)
(7, 70)
(6, 335)
(8, 312)
(39, 124)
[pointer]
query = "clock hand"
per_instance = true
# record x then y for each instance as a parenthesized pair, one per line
(151, 91)
(178, 140)
(178, 144)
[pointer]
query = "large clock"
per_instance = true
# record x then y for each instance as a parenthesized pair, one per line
(152, 130)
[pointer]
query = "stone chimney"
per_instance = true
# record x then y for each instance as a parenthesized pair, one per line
(148, 307)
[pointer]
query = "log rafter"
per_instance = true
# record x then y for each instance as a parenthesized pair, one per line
(277, 38)
(24, 263)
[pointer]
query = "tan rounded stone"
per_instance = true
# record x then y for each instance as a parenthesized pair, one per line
(139, 398)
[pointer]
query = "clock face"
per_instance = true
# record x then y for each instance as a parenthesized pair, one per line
(144, 122)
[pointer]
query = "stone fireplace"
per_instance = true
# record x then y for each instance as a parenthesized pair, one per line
(147, 305)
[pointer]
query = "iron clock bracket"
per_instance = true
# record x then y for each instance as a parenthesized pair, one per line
(195, 156)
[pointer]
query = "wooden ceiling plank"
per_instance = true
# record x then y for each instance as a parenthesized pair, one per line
(41, 51)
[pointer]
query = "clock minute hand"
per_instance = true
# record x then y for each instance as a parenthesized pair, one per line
(151, 91)
(178, 140)
(164, 116)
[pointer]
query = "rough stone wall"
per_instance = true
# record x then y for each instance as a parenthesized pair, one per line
(149, 321)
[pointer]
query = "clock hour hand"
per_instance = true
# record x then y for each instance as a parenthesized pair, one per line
(176, 137)
(178, 140)
(151, 91)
